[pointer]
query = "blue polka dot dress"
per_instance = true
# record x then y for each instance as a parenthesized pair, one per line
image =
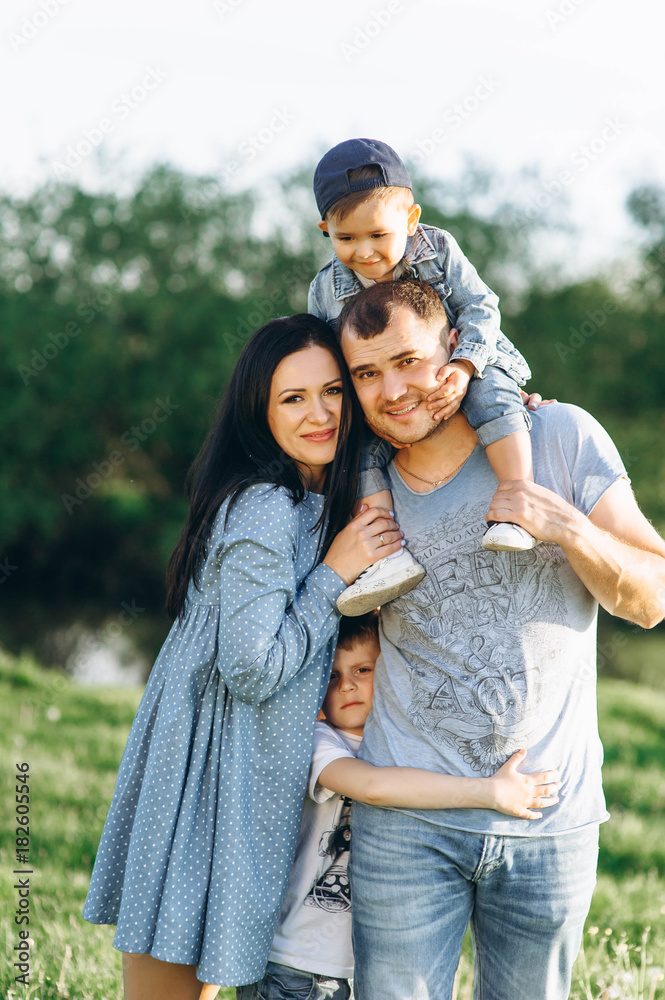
(200, 837)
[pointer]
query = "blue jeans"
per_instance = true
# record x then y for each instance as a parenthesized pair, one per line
(493, 406)
(415, 887)
(281, 982)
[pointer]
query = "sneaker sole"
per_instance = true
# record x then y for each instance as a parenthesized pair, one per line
(351, 605)
(498, 547)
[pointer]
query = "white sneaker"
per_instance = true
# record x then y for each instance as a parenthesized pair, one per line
(503, 536)
(381, 582)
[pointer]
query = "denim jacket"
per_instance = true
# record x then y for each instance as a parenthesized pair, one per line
(432, 255)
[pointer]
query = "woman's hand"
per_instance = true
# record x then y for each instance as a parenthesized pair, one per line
(518, 794)
(371, 535)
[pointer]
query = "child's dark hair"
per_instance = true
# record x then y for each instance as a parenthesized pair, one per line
(360, 629)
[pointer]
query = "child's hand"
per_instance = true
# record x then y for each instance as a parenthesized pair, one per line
(534, 400)
(518, 794)
(445, 400)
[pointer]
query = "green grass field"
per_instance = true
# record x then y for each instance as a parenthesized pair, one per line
(73, 737)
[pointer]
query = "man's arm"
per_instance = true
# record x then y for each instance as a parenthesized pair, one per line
(617, 554)
(508, 791)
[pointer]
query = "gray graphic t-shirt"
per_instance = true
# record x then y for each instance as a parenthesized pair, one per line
(494, 651)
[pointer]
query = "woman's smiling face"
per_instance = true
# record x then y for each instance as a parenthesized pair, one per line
(304, 411)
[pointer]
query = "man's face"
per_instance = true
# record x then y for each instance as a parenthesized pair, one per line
(394, 372)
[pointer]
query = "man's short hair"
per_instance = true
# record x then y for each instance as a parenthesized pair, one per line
(363, 628)
(349, 202)
(369, 312)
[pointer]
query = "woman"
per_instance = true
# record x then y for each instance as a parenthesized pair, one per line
(201, 832)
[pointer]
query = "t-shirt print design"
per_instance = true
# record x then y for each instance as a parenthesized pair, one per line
(331, 890)
(473, 689)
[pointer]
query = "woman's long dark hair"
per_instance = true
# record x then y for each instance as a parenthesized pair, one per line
(240, 450)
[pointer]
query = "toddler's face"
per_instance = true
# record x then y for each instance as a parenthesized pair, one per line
(349, 697)
(372, 238)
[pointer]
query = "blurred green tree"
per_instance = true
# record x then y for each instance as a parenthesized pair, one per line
(121, 316)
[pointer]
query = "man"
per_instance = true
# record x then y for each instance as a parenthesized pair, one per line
(490, 653)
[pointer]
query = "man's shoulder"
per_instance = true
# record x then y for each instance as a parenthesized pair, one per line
(562, 418)
(575, 454)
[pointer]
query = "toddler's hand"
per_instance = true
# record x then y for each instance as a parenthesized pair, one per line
(534, 400)
(518, 794)
(454, 378)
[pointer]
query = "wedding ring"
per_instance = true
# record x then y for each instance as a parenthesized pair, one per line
(382, 540)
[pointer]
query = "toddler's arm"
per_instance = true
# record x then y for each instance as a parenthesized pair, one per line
(474, 306)
(508, 791)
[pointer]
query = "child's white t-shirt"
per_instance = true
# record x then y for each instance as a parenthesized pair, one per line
(314, 929)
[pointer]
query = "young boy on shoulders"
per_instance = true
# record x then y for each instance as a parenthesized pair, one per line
(363, 192)
(311, 953)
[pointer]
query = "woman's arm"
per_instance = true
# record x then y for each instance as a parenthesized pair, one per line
(508, 791)
(269, 628)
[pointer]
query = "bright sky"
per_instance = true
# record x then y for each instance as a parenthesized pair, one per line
(250, 88)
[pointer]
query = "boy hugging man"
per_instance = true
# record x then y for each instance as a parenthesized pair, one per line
(311, 953)
(363, 192)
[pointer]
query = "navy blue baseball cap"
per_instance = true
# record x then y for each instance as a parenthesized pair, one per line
(331, 177)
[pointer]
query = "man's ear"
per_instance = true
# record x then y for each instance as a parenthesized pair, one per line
(412, 219)
(453, 339)
(323, 226)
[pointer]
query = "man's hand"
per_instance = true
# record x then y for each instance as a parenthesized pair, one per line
(454, 378)
(544, 514)
(616, 553)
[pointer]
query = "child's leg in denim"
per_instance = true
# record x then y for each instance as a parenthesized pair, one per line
(494, 409)
(281, 982)
(374, 488)
(398, 573)
(375, 455)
